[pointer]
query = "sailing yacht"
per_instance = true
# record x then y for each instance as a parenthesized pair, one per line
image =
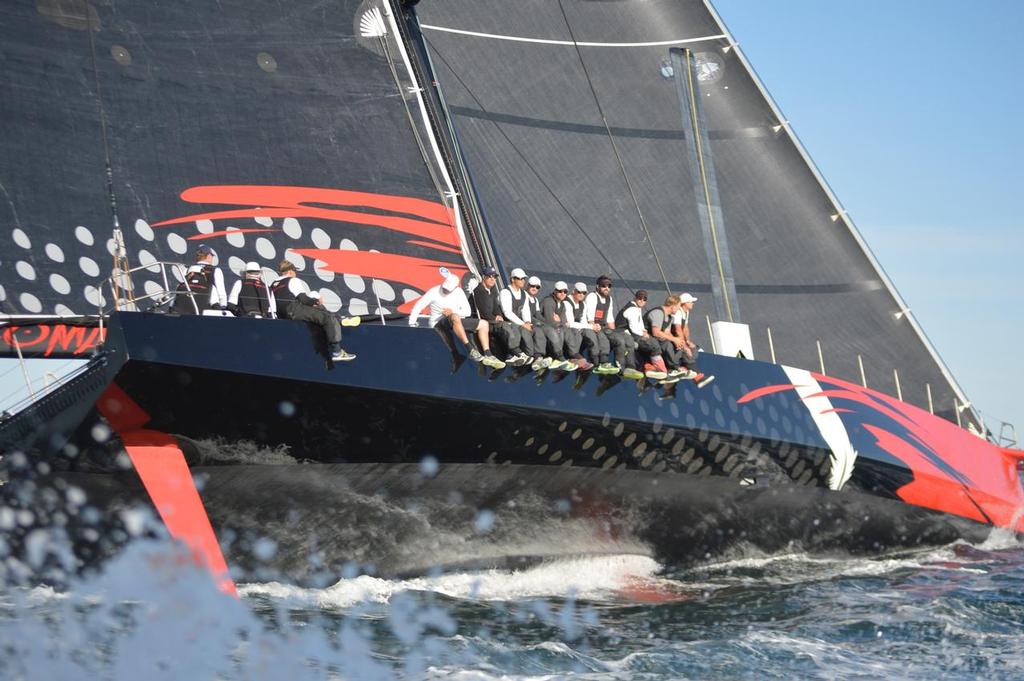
(375, 143)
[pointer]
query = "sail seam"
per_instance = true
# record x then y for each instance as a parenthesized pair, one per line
(548, 41)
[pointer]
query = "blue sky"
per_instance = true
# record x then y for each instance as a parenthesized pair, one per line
(913, 110)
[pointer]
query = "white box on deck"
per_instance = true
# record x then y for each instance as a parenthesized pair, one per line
(731, 339)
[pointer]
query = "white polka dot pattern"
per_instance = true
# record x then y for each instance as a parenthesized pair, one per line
(30, 303)
(25, 270)
(54, 252)
(84, 235)
(21, 238)
(143, 229)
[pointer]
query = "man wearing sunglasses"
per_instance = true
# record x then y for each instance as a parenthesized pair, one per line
(579, 334)
(547, 327)
(631, 319)
(516, 311)
(487, 306)
(601, 314)
(558, 310)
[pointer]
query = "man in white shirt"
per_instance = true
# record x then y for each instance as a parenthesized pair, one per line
(514, 308)
(600, 313)
(681, 332)
(450, 311)
(580, 334)
(203, 288)
(632, 318)
(293, 300)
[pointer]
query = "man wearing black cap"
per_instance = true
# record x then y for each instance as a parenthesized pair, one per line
(293, 299)
(203, 288)
(487, 306)
(601, 314)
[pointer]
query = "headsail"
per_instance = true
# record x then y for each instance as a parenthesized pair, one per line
(570, 117)
(264, 130)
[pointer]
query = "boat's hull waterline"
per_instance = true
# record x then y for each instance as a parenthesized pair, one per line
(397, 464)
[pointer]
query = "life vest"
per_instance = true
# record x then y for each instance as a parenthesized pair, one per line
(517, 305)
(666, 321)
(282, 296)
(578, 310)
(620, 319)
(253, 299)
(199, 282)
(484, 302)
(536, 315)
(601, 312)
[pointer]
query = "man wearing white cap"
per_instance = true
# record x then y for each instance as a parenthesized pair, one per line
(557, 311)
(580, 333)
(515, 310)
(681, 332)
(547, 330)
(203, 288)
(250, 297)
(450, 311)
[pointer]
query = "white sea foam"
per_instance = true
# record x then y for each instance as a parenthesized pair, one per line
(588, 578)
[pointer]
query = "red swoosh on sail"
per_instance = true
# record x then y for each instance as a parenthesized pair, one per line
(418, 273)
(432, 220)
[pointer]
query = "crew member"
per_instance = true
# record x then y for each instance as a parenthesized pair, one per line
(631, 319)
(294, 300)
(487, 306)
(249, 296)
(546, 314)
(579, 334)
(681, 331)
(658, 322)
(539, 357)
(601, 316)
(203, 288)
(515, 311)
(450, 311)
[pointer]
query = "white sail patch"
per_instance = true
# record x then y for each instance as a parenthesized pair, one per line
(829, 425)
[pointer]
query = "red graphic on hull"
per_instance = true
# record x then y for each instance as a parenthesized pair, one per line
(51, 340)
(954, 471)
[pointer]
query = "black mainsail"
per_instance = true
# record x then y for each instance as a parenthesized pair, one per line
(578, 126)
(262, 130)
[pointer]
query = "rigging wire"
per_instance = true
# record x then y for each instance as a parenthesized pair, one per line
(529, 165)
(382, 37)
(615, 148)
(121, 267)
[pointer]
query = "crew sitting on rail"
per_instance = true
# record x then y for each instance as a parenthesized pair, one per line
(658, 322)
(515, 310)
(547, 331)
(294, 300)
(631, 318)
(601, 315)
(681, 331)
(249, 296)
(486, 305)
(203, 288)
(579, 334)
(450, 312)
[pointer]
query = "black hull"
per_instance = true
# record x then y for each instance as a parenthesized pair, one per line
(397, 464)
(392, 520)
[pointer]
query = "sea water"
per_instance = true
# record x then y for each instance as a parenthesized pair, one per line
(954, 612)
